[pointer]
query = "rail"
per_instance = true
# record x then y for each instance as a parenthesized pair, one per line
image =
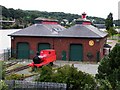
(17, 69)
(10, 64)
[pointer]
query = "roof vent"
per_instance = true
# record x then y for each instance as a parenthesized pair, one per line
(56, 30)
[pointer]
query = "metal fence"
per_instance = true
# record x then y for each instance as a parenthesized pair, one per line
(6, 54)
(29, 85)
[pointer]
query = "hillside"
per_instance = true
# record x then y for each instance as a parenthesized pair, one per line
(25, 18)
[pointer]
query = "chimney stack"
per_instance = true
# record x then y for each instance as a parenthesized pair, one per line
(84, 15)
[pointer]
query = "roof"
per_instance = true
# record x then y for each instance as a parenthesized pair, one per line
(107, 46)
(100, 26)
(39, 30)
(81, 19)
(56, 30)
(46, 19)
(83, 31)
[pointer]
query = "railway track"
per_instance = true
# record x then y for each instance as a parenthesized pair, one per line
(10, 64)
(16, 69)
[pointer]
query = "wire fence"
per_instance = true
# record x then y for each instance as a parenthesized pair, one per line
(6, 54)
(29, 85)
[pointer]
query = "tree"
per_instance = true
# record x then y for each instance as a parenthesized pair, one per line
(109, 68)
(111, 31)
(109, 21)
(109, 25)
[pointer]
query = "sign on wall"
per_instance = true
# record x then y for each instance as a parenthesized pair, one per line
(91, 43)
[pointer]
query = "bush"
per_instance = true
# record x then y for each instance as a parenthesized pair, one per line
(104, 84)
(2, 70)
(14, 77)
(118, 40)
(3, 85)
(109, 68)
(75, 80)
(45, 74)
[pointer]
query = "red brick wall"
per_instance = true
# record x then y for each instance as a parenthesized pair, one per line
(60, 44)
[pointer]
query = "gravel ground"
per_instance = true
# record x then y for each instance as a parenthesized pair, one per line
(87, 67)
(90, 68)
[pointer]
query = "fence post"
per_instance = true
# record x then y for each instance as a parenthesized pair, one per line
(4, 54)
(8, 54)
(13, 84)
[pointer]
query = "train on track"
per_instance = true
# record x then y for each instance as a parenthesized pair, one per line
(45, 57)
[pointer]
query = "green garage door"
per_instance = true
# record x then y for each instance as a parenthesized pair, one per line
(23, 51)
(42, 46)
(76, 52)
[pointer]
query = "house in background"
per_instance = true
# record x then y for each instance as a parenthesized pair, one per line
(81, 42)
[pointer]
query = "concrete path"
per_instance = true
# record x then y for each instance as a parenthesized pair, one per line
(91, 68)
(112, 43)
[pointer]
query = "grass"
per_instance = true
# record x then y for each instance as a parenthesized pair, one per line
(15, 66)
(117, 35)
(1, 65)
(1, 62)
(109, 42)
(118, 40)
(114, 37)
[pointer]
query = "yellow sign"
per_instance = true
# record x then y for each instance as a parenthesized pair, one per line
(91, 42)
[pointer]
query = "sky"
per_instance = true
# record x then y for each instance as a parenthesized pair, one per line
(98, 8)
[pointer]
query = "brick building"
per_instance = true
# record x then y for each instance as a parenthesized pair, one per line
(81, 42)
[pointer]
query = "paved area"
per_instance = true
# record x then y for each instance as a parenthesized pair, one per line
(87, 67)
(112, 43)
(90, 68)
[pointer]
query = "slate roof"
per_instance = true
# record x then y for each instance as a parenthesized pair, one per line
(45, 19)
(83, 31)
(48, 30)
(40, 30)
(100, 26)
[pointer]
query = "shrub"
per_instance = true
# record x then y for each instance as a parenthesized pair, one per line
(3, 85)
(2, 70)
(14, 77)
(109, 68)
(45, 74)
(75, 80)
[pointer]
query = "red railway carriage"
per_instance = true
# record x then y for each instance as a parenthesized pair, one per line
(47, 56)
